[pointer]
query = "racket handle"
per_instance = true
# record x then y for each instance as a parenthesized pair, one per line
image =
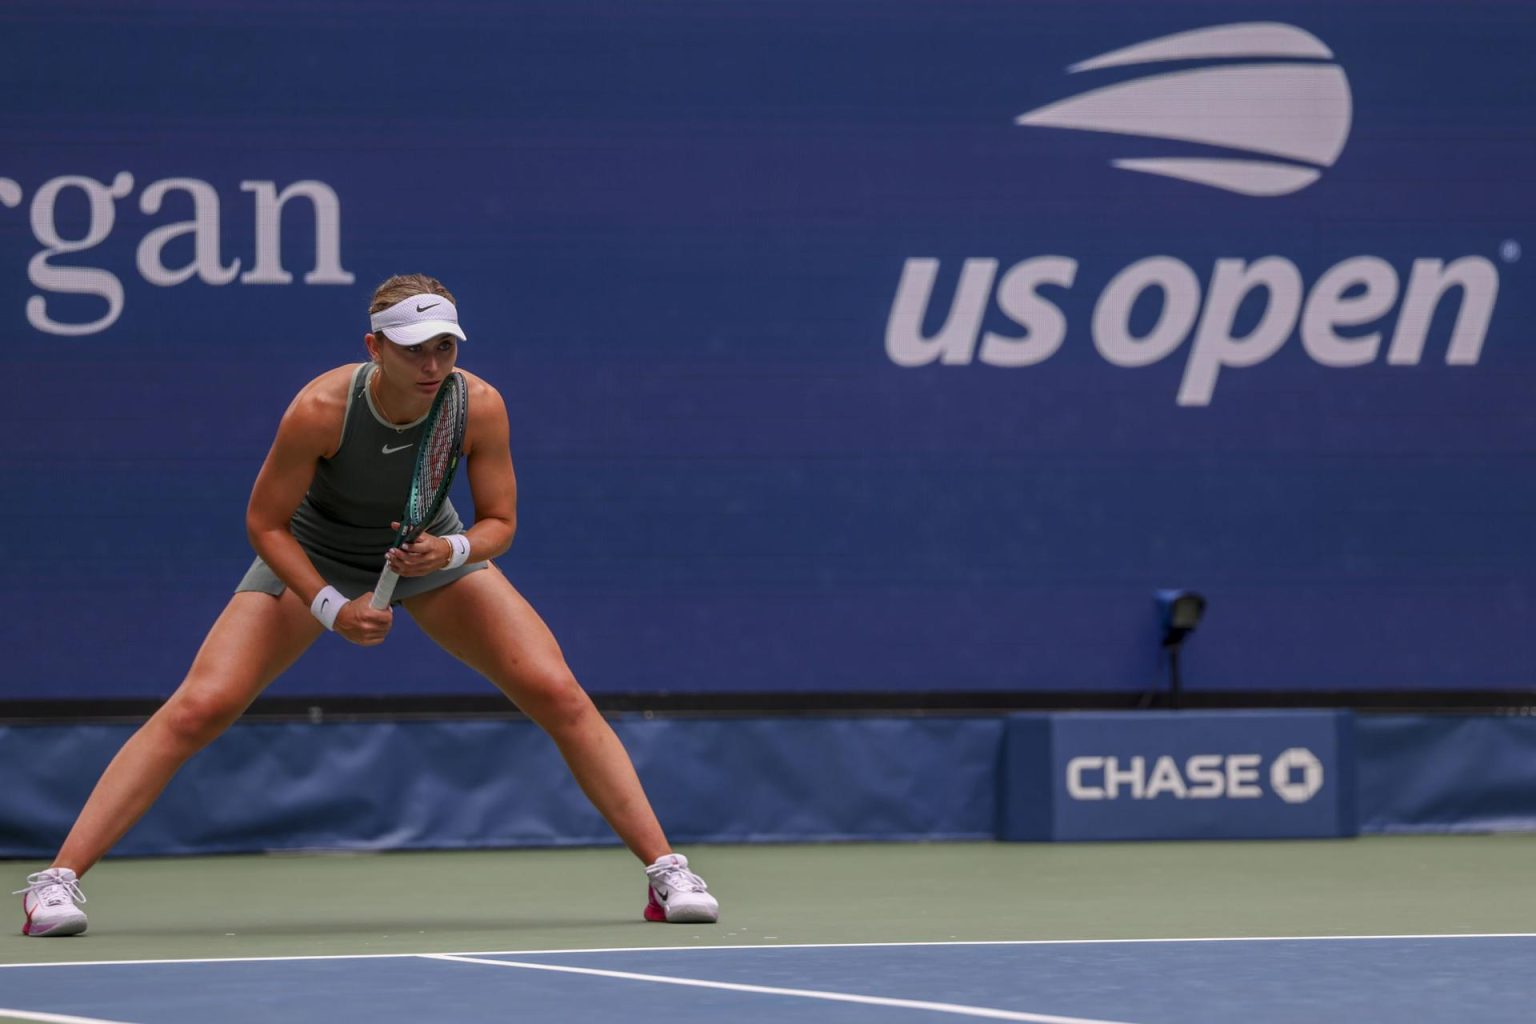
(386, 588)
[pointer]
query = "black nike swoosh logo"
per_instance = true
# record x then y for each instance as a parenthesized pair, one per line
(423, 309)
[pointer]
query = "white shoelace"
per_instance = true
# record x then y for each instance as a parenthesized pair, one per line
(680, 880)
(51, 890)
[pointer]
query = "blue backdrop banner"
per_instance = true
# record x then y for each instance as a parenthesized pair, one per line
(901, 347)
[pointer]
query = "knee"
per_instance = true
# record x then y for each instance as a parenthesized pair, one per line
(192, 720)
(554, 700)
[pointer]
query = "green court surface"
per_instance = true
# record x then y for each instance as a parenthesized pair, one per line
(329, 904)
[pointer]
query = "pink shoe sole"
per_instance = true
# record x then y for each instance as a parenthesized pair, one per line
(654, 911)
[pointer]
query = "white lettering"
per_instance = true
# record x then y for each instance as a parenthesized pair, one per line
(1205, 776)
(1295, 777)
(1111, 316)
(1356, 291)
(74, 280)
(955, 342)
(1044, 325)
(1165, 779)
(1328, 307)
(1215, 347)
(1242, 777)
(204, 227)
(1427, 282)
(269, 227)
(1135, 777)
(1077, 789)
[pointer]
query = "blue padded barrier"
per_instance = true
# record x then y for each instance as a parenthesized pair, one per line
(494, 783)
(1422, 773)
(499, 783)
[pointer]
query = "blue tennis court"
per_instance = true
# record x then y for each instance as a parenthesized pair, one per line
(1429, 979)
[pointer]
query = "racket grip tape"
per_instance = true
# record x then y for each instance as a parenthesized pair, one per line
(386, 589)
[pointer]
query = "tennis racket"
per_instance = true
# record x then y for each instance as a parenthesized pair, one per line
(442, 443)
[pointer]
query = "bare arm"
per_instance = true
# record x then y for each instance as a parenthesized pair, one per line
(309, 431)
(492, 481)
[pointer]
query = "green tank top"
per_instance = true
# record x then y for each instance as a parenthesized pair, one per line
(362, 488)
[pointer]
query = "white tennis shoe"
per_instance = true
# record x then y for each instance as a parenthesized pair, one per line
(678, 895)
(50, 900)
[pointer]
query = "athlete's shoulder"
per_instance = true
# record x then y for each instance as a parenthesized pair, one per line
(321, 405)
(334, 383)
(476, 383)
(487, 426)
(482, 393)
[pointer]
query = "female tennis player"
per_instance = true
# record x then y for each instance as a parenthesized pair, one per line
(345, 454)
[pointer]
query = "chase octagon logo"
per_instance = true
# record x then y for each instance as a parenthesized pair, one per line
(1277, 98)
(1296, 775)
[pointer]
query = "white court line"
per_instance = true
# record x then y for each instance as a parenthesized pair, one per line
(773, 945)
(958, 1009)
(54, 1018)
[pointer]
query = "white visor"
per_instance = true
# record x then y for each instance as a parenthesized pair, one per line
(417, 319)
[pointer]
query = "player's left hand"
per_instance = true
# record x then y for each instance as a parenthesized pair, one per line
(418, 557)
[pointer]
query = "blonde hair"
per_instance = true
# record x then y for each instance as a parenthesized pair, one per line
(403, 286)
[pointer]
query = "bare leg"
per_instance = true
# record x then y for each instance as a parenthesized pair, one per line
(483, 621)
(253, 641)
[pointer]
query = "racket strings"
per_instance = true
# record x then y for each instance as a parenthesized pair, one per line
(442, 446)
(439, 453)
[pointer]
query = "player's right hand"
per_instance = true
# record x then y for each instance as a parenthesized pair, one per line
(363, 624)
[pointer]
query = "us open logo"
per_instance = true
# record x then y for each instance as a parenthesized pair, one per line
(1275, 100)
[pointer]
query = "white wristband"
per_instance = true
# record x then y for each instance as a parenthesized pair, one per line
(460, 545)
(326, 605)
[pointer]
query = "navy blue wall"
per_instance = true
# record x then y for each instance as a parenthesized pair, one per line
(688, 240)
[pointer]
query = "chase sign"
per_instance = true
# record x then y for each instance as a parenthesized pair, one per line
(1178, 775)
